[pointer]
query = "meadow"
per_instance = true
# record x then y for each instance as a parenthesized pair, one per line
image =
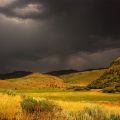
(74, 105)
(90, 96)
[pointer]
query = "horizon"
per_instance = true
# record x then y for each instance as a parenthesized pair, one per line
(91, 69)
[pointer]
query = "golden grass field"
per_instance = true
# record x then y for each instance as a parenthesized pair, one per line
(92, 96)
(10, 105)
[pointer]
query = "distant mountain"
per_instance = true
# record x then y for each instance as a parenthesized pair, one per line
(110, 80)
(62, 72)
(16, 74)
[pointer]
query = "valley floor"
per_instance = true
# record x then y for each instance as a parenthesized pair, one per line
(88, 96)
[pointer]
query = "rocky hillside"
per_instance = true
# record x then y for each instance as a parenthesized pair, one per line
(110, 80)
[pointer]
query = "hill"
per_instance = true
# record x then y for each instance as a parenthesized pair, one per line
(32, 81)
(16, 74)
(62, 72)
(82, 78)
(110, 80)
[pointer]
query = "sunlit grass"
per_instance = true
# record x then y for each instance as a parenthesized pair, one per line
(10, 105)
(32, 81)
(82, 78)
(10, 108)
(77, 106)
(91, 96)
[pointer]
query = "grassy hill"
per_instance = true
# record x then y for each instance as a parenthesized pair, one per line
(98, 79)
(29, 80)
(62, 72)
(110, 80)
(16, 74)
(32, 81)
(82, 78)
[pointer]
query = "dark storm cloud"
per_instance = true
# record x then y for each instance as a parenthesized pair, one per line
(52, 7)
(42, 35)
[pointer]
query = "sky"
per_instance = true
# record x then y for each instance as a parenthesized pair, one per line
(49, 35)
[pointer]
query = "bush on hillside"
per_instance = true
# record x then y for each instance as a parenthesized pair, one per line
(78, 88)
(114, 89)
(118, 89)
(109, 90)
(81, 89)
(10, 92)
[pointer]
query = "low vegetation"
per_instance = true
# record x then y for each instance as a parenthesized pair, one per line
(28, 108)
(111, 89)
(40, 109)
(32, 105)
(94, 112)
(78, 88)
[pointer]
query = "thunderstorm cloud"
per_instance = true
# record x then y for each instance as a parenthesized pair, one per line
(46, 35)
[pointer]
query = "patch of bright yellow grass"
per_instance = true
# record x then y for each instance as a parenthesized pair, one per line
(77, 106)
(9, 105)
(10, 108)
(72, 106)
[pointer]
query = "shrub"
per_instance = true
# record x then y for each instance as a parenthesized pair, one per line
(10, 92)
(41, 109)
(81, 89)
(109, 90)
(31, 105)
(118, 89)
(78, 88)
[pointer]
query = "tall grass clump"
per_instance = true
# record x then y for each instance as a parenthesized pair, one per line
(10, 92)
(10, 108)
(93, 113)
